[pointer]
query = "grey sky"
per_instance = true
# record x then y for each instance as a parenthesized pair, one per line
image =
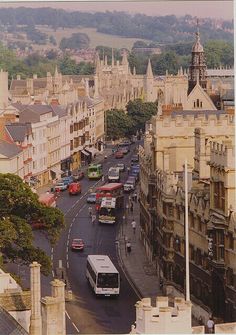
(218, 9)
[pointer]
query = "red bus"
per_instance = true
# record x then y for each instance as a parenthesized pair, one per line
(114, 190)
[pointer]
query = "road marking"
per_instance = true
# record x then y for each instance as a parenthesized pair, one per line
(73, 219)
(77, 215)
(67, 257)
(67, 265)
(53, 273)
(67, 242)
(68, 315)
(75, 327)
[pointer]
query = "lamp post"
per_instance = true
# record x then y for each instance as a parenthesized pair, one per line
(186, 231)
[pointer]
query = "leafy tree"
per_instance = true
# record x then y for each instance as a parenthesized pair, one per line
(140, 112)
(18, 207)
(165, 61)
(219, 53)
(52, 40)
(68, 65)
(118, 123)
(76, 41)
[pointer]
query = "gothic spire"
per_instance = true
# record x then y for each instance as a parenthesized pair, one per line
(149, 73)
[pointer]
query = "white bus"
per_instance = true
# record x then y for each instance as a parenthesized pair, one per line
(107, 211)
(114, 175)
(102, 275)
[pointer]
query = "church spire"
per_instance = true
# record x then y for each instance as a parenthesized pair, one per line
(149, 73)
(198, 65)
(112, 57)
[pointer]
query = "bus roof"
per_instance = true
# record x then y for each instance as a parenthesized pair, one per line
(110, 187)
(94, 165)
(102, 263)
(108, 202)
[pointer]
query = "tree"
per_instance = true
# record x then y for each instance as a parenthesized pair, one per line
(76, 41)
(219, 53)
(140, 112)
(18, 207)
(68, 65)
(118, 123)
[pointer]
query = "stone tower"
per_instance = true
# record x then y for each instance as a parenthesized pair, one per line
(197, 69)
(3, 89)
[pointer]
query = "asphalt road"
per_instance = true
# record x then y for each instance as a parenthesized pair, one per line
(86, 313)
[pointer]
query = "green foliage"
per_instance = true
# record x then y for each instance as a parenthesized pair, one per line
(118, 123)
(121, 124)
(103, 50)
(218, 53)
(52, 40)
(76, 41)
(165, 61)
(18, 207)
(140, 112)
(68, 65)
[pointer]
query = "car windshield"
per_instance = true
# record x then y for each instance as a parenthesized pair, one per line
(130, 182)
(110, 280)
(93, 195)
(78, 241)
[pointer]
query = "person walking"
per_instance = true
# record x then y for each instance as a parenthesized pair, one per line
(128, 247)
(131, 207)
(210, 325)
(127, 207)
(133, 224)
(90, 210)
(93, 218)
(135, 196)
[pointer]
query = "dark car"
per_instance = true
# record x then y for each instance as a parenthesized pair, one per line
(91, 199)
(78, 175)
(121, 166)
(134, 159)
(77, 244)
(119, 154)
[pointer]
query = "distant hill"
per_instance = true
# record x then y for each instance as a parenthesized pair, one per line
(161, 29)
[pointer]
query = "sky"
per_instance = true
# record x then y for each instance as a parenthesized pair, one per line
(218, 9)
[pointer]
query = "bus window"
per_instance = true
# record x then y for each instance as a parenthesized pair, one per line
(108, 280)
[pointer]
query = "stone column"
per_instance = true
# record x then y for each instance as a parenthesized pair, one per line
(36, 316)
(58, 292)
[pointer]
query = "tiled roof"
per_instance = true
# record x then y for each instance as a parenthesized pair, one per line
(9, 150)
(9, 326)
(59, 110)
(228, 95)
(16, 301)
(18, 131)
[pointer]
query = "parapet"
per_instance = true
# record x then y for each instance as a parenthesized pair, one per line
(162, 318)
(222, 155)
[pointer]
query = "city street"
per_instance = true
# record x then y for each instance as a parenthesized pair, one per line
(88, 313)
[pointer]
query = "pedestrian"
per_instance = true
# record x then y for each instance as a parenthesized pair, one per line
(128, 247)
(161, 283)
(124, 219)
(103, 178)
(133, 224)
(131, 207)
(93, 218)
(127, 207)
(90, 210)
(128, 169)
(135, 196)
(210, 325)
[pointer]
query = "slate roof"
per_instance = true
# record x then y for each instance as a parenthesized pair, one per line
(228, 95)
(59, 110)
(9, 150)
(9, 326)
(18, 131)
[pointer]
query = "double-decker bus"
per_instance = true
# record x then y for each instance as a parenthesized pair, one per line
(107, 211)
(94, 171)
(102, 275)
(114, 190)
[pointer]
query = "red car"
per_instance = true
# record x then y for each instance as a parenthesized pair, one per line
(119, 154)
(77, 244)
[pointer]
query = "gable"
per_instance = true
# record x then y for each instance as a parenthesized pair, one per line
(198, 99)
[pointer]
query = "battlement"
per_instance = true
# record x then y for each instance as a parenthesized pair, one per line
(163, 319)
(222, 155)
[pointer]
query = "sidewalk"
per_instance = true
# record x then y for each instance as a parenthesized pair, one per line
(136, 265)
(99, 158)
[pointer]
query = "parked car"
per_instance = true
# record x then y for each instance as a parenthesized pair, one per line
(121, 166)
(67, 180)
(124, 150)
(119, 154)
(77, 244)
(91, 199)
(78, 175)
(74, 188)
(61, 186)
(129, 185)
(135, 159)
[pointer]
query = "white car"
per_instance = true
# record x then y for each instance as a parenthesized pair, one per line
(61, 186)
(129, 185)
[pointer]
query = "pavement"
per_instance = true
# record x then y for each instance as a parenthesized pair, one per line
(136, 266)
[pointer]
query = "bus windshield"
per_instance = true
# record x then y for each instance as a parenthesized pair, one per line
(108, 280)
(93, 169)
(107, 211)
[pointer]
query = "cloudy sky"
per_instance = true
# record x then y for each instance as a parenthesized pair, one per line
(201, 8)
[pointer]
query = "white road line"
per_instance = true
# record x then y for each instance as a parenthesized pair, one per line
(77, 215)
(75, 327)
(67, 242)
(53, 273)
(67, 265)
(73, 219)
(68, 315)
(67, 257)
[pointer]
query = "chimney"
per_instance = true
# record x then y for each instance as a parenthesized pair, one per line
(36, 316)
(18, 77)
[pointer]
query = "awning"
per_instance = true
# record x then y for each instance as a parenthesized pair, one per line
(92, 150)
(57, 171)
(85, 153)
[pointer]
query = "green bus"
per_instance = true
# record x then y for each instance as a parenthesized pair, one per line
(94, 171)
